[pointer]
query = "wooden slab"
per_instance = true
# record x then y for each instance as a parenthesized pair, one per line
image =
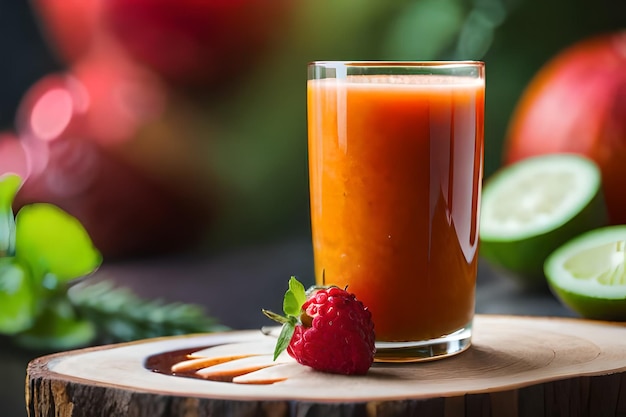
(516, 366)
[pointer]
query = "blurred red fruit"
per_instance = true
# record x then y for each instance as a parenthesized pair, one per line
(77, 129)
(69, 26)
(577, 103)
(207, 42)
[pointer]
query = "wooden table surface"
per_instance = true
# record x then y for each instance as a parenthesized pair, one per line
(258, 276)
(517, 366)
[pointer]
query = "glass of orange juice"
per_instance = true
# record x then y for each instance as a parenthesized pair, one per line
(395, 172)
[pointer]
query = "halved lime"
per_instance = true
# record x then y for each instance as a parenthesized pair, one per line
(532, 207)
(587, 273)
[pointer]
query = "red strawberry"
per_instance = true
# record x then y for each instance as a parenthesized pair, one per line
(330, 331)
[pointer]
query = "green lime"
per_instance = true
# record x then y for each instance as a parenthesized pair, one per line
(587, 273)
(532, 207)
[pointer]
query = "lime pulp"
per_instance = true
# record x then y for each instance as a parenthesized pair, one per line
(588, 273)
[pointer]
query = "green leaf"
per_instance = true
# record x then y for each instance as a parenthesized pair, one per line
(53, 242)
(120, 315)
(295, 297)
(17, 300)
(58, 328)
(9, 185)
(286, 333)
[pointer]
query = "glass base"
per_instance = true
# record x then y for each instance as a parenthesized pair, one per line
(425, 350)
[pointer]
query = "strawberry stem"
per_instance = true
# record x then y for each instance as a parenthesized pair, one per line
(276, 317)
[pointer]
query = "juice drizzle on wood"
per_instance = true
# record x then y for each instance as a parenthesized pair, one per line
(228, 364)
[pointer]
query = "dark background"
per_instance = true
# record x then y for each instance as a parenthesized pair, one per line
(25, 57)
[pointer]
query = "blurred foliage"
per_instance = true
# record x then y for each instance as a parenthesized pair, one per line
(256, 127)
(261, 151)
(44, 255)
(267, 117)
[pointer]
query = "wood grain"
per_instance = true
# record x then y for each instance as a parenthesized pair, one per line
(516, 366)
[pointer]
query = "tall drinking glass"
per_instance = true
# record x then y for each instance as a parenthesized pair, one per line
(395, 170)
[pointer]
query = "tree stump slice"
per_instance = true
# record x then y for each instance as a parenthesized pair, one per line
(517, 366)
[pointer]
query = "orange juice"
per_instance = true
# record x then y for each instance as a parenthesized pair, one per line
(395, 167)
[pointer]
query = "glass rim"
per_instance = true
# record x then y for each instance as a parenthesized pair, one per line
(407, 64)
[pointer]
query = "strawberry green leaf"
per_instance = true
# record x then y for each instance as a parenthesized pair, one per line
(294, 298)
(54, 243)
(9, 185)
(17, 302)
(284, 338)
